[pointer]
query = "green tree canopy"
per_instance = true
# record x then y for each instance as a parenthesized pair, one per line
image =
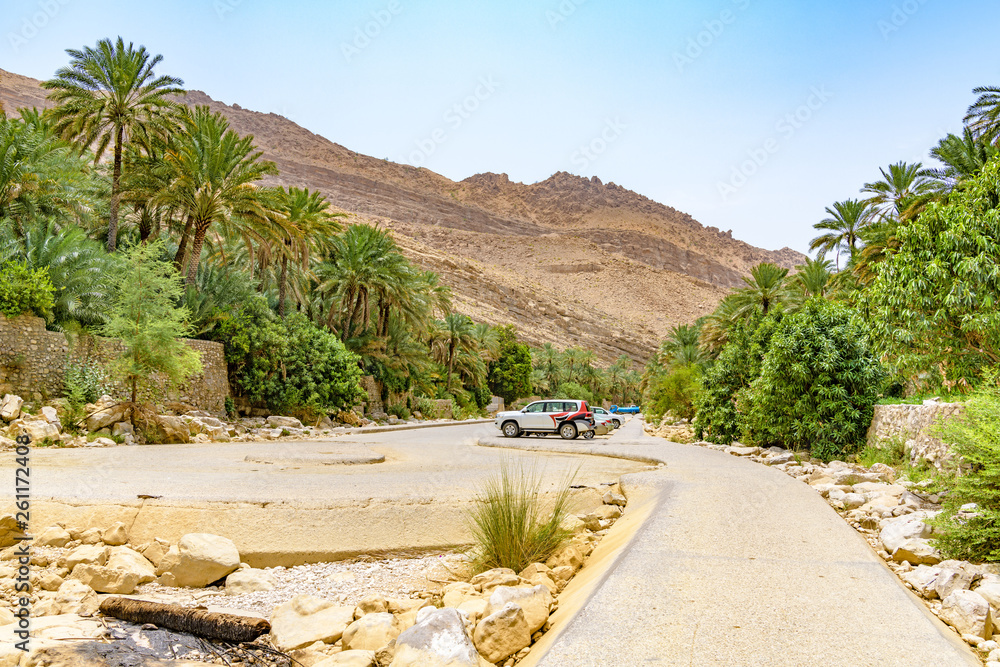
(933, 303)
(510, 374)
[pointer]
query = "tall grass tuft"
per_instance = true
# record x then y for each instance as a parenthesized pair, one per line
(510, 521)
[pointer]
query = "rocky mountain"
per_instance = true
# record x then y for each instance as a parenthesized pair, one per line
(568, 260)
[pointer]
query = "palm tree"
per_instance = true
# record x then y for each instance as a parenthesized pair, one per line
(456, 333)
(716, 326)
(110, 95)
(548, 360)
(310, 226)
(964, 157)
(39, 174)
(983, 116)
(77, 265)
(213, 177)
(765, 289)
(364, 262)
(847, 219)
(901, 183)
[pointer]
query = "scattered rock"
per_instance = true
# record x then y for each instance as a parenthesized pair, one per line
(276, 421)
(105, 579)
(536, 602)
(10, 407)
(203, 558)
(438, 639)
(249, 580)
(370, 632)
(124, 558)
(306, 619)
(502, 634)
(116, 535)
(969, 613)
(54, 536)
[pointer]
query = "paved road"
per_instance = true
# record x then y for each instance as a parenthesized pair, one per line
(438, 463)
(742, 565)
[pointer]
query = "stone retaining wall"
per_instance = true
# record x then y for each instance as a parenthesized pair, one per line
(915, 426)
(33, 364)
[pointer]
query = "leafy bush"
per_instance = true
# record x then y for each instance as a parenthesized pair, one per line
(87, 380)
(425, 406)
(25, 291)
(723, 387)
(510, 375)
(84, 383)
(818, 384)
(933, 302)
(400, 410)
(508, 522)
(975, 439)
(674, 391)
(289, 365)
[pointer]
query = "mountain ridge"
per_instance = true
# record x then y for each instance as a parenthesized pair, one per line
(569, 260)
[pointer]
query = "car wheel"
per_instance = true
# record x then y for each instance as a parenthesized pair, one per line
(589, 435)
(568, 431)
(511, 430)
(617, 423)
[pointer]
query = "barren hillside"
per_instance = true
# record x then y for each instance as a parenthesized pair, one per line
(568, 260)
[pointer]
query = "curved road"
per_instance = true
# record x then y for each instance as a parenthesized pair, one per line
(734, 563)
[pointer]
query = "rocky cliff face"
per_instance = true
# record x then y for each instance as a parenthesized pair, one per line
(568, 260)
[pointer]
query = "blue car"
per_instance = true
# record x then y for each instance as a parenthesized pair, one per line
(630, 410)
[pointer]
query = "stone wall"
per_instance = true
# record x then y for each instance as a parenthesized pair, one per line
(33, 364)
(914, 425)
(373, 406)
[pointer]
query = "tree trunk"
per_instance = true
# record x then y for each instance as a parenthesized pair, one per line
(199, 239)
(116, 194)
(281, 286)
(211, 625)
(145, 225)
(181, 256)
(451, 363)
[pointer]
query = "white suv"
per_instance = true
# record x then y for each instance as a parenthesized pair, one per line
(567, 418)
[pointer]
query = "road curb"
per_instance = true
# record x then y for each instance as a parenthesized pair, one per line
(412, 427)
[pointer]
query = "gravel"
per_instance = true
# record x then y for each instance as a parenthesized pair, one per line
(342, 582)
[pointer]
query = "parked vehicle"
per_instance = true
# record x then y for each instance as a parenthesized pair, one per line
(600, 414)
(570, 419)
(630, 410)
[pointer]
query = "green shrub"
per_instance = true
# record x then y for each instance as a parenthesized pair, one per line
(508, 522)
(575, 391)
(818, 384)
(723, 387)
(975, 440)
(25, 291)
(289, 365)
(425, 406)
(86, 380)
(890, 452)
(674, 391)
(400, 410)
(230, 408)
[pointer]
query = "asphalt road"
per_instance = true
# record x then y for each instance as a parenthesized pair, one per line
(437, 463)
(742, 565)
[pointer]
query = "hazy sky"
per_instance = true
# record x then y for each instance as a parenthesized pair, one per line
(751, 115)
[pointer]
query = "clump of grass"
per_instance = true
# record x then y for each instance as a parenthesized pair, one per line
(511, 522)
(890, 452)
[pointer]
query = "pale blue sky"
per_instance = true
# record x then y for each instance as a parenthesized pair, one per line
(692, 104)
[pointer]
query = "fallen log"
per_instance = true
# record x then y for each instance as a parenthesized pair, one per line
(210, 625)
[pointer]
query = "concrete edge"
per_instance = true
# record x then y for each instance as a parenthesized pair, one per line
(361, 430)
(643, 503)
(589, 451)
